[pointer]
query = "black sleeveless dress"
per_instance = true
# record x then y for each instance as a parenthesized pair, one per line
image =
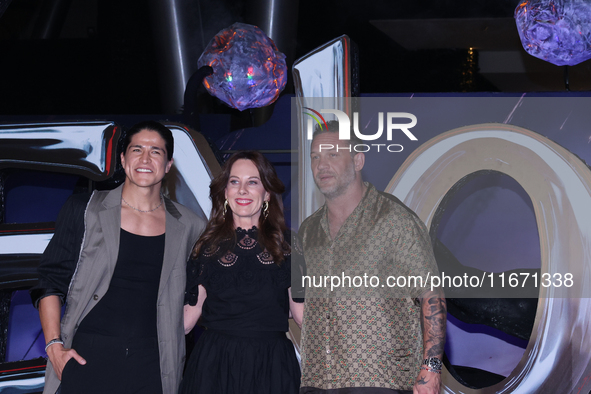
(244, 348)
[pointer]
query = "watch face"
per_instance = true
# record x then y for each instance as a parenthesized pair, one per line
(433, 363)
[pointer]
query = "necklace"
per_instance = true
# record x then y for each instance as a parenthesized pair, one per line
(139, 210)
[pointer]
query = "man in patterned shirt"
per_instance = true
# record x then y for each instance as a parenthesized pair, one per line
(364, 336)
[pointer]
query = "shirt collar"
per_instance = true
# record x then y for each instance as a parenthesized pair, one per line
(369, 198)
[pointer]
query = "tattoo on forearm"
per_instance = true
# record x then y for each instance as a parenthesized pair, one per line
(422, 380)
(434, 311)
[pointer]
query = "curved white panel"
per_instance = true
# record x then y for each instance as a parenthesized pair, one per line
(558, 356)
(194, 171)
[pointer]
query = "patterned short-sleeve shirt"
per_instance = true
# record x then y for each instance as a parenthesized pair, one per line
(366, 331)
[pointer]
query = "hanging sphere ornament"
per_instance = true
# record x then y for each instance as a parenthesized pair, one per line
(558, 31)
(248, 69)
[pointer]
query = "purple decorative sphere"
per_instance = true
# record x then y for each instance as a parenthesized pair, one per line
(248, 69)
(558, 31)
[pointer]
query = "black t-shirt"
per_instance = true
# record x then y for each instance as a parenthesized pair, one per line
(128, 309)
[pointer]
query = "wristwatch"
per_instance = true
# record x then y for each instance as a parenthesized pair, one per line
(433, 363)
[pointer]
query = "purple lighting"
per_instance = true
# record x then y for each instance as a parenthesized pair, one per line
(248, 69)
(558, 31)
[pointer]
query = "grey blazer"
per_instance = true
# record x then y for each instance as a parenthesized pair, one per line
(95, 267)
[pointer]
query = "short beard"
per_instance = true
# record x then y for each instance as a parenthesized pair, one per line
(339, 189)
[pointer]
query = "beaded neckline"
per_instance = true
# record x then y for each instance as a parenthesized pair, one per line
(252, 230)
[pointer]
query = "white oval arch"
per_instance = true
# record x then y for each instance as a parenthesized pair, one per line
(557, 358)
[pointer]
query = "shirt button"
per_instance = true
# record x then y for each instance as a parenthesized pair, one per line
(327, 351)
(95, 297)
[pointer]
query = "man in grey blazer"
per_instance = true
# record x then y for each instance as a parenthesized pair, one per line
(84, 256)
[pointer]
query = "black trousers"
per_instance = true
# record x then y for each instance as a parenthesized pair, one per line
(113, 365)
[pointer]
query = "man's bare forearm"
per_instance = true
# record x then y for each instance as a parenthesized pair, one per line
(49, 314)
(433, 319)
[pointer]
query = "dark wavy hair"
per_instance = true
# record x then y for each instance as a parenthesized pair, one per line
(149, 125)
(220, 228)
(125, 139)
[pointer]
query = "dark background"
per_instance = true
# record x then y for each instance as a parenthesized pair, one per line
(103, 59)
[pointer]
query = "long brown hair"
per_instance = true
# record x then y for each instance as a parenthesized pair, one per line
(221, 226)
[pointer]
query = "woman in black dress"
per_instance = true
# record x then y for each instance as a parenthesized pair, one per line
(238, 283)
